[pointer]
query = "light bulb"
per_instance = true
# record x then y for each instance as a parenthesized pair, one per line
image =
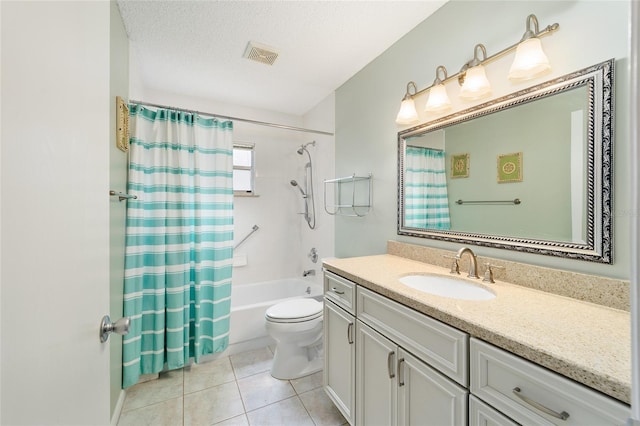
(476, 85)
(438, 99)
(530, 61)
(407, 113)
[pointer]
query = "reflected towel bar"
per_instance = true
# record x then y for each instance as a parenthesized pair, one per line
(122, 196)
(514, 201)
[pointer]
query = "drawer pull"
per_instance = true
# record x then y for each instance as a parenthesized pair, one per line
(390, 368)
(350, 333)
(562, 416)
(335, 290)
(400, 372)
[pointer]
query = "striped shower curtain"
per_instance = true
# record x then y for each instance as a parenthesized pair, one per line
(426, 200)
(179, 240)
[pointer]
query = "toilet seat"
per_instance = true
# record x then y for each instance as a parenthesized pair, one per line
(298, 310)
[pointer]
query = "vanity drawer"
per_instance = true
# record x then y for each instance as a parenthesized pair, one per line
(439, 345)
(340, 291)
(531, 394)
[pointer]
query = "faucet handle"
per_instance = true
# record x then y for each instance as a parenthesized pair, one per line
(455, 267)
(488, 272)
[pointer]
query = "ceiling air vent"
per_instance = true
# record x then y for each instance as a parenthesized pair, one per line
(260, 53)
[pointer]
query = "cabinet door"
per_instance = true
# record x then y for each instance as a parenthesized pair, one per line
(425, 397)
(376, 384)
(481, 414)
(339, 359)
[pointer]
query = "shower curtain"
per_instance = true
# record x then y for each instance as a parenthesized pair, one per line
(179, 240)
(426, 199)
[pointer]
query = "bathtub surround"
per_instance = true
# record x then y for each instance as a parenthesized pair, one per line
(179, 240)
(279, 249)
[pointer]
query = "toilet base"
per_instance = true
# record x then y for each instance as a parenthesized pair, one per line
(292, 362)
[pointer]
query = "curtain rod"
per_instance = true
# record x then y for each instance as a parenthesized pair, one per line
(226, 117)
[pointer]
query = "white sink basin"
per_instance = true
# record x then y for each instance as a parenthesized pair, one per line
(440, 285)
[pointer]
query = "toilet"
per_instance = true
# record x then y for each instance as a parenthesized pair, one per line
(296, 326)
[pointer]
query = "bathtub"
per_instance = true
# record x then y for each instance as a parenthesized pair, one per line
(249, 303)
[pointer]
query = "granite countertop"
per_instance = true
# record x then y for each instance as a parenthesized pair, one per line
(586, 342)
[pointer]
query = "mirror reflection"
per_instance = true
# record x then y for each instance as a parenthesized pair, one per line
(530, 171)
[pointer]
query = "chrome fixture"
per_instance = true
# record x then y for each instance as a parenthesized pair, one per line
(309, 199)
(304, 146)
(530, 62)
(253, 229)
(488, 272)
(313, 255)
(107, 327)
(473, 261)
(308, 272)
(295, 183)
(122, 196)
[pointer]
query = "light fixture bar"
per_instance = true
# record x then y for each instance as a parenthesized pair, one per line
(545, 31)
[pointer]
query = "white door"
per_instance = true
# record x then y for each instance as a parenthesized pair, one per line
(427, 398)
(339, 362)
(54, 212)
(376, 379)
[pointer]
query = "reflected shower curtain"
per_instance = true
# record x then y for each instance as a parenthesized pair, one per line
(426, 200)
(179, 240)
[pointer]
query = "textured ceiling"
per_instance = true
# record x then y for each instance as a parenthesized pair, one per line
(195, 47)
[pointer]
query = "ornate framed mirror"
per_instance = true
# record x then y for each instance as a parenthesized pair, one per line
(531, 171)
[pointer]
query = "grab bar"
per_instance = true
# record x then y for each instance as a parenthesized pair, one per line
(514, 201)
(122, 196)
(254, 229)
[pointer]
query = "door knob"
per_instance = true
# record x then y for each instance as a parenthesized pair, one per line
(107, 327)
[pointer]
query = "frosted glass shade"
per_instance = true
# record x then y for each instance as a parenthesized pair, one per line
(476, 85)
(407, 113)
(438, 99)
(530, 61)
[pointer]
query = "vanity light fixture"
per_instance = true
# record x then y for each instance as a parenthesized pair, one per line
(530, 60)
(473, 71)
(438, 100)
(475, 84)
(408, 113)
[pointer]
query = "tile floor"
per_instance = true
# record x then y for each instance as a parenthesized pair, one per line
(235, 390)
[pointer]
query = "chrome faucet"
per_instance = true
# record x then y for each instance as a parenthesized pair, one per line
(308, 272)
(473, 261)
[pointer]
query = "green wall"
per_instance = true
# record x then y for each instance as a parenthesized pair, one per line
(367, 104)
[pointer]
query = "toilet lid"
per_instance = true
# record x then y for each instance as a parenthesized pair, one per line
(297, 309)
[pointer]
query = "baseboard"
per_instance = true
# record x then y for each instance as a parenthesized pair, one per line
(118, 409)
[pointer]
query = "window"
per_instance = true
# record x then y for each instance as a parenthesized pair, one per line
(243, 169)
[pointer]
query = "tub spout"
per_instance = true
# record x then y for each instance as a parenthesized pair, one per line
(308, 272)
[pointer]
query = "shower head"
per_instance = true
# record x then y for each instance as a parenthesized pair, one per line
(294, 183)
(304, 147)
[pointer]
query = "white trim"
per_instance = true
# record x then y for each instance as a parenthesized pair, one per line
(118, 409)
(634, 109)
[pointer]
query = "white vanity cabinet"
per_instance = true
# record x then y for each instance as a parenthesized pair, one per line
(530, 394)
(396, 386)
(339, 344)
(377, 384)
